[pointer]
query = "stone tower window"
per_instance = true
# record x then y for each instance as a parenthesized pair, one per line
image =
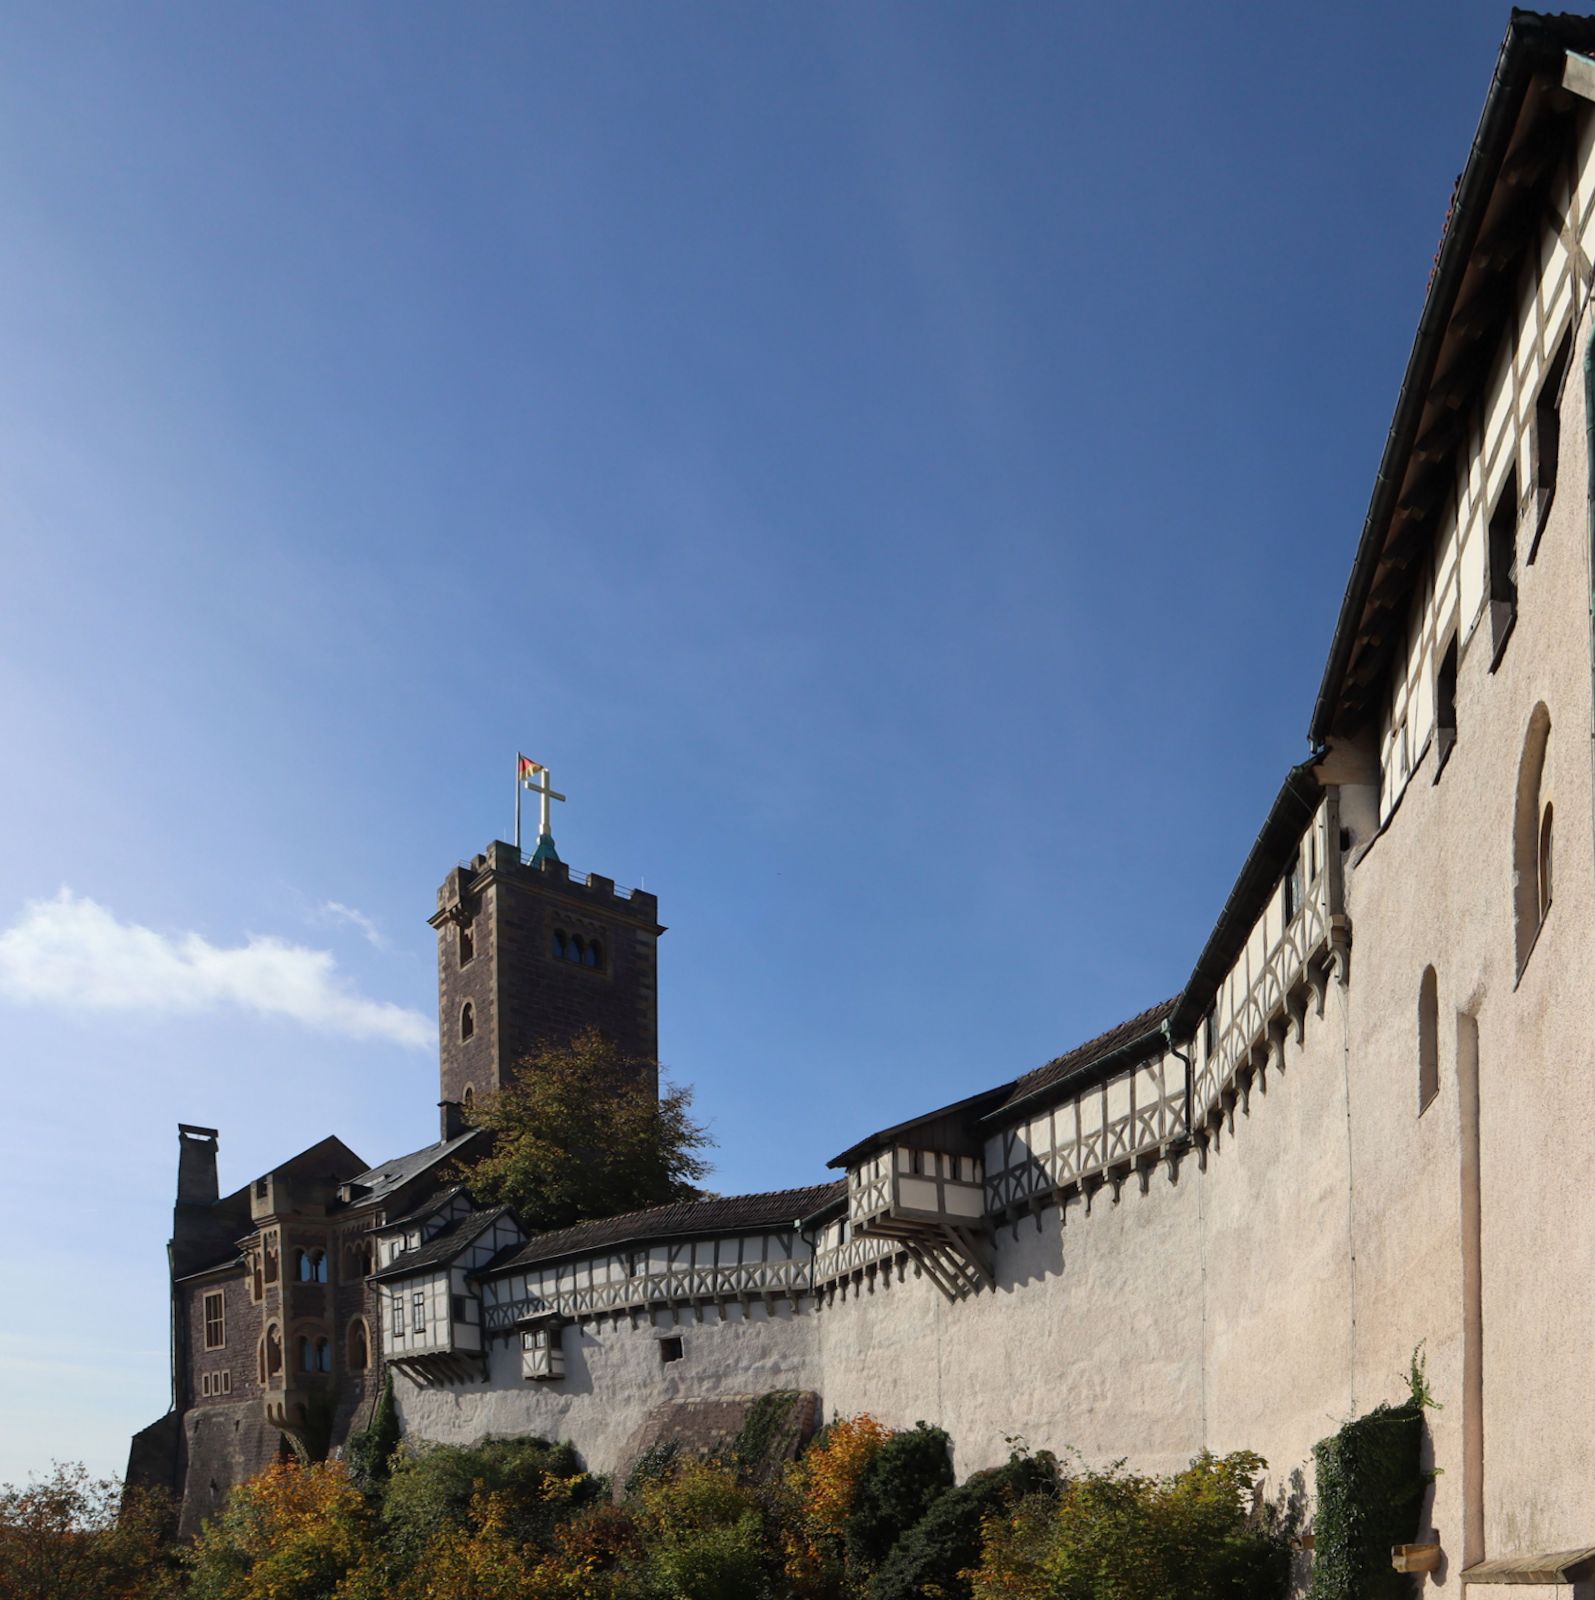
(310, 1266)
(561, 945)
(215, 1320)
(273, 1351)
(467, 941)
(467, 1020)
(468, 1099)
(1428, 1039)
(578, 949)
(595, 954)
(359, 1346)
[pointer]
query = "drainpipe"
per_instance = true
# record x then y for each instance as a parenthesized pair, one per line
(1180, 1055)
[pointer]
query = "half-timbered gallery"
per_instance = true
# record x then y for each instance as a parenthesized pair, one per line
(1365, 1123)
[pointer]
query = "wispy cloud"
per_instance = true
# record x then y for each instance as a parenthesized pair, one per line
(336, 911)
(72, 952)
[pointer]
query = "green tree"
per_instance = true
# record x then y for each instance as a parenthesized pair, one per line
(578, 1134)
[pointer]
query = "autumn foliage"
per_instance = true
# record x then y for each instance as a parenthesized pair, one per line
(865, 1513)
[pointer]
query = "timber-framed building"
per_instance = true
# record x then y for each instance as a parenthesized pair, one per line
(1364, 1122)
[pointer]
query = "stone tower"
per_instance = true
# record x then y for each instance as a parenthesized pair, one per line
(530, 956)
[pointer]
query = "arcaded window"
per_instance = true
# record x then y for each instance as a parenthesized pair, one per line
(323, 1354)
(302, 1265)
(467, 941)
(467, 1020)
(561, 945)
(595, 953)
(359, 1346)
(215, 1320)
(307, 1355)
(1428, 1039)
(1531, 836)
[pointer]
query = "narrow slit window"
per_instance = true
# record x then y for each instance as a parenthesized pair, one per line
(1503, 560)
(467, 1021)
(1445, 702)
(467, 941)
(1428, 1039)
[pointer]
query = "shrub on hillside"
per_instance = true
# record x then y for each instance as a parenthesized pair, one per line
(896, 1488)
(935, 1556)
(703, 1534)
(294, 1532)
(1118, 1535)
(536, 1485)
(817, 1497)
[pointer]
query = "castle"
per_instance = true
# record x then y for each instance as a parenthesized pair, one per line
(1362, 1125)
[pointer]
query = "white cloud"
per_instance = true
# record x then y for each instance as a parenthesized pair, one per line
(336, 911)
(72, 952)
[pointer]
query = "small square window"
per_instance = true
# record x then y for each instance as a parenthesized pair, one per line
(671, 1349)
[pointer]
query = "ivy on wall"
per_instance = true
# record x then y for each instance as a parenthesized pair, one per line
(1371, 1485)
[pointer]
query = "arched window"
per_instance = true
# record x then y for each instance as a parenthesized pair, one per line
(595, 954)
(273, 1351)
(1531, 837)
(467, 1020)
(303, 1270)
(578, 949)
(359, 1346)
(468, 1099)
(260, 1357)
(1428, 1039)
(561, 949)
(467, 941)
(1545, 860)
(323, 1354)
(307, 1355)
(318, 1266)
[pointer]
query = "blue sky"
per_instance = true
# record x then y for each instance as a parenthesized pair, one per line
(898, 464)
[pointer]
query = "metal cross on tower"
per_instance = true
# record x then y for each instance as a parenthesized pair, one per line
(527, 773)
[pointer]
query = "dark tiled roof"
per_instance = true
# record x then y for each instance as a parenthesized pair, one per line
(1080, 1060)
(430, 1208)
(684, 1219)
(392, 1175)
(945, 1128)
(444, 1245)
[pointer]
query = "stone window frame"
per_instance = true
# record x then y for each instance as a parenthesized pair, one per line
(467, 1021)
(357, 1325)
(219, 1297)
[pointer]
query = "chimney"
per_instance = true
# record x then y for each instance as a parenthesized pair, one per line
(196, 1166)
(451, 1119)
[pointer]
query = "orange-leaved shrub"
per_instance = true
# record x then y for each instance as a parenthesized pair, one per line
(821, 1488)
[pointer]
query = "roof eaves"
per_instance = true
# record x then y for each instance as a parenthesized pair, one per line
(1530, 42)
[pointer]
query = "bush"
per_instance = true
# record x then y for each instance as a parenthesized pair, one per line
(818, 1493)
(293, 1533)
(1116, 1535)
(935, 1556)
(535, 1486)
(704, 1536)
(895, 1489)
